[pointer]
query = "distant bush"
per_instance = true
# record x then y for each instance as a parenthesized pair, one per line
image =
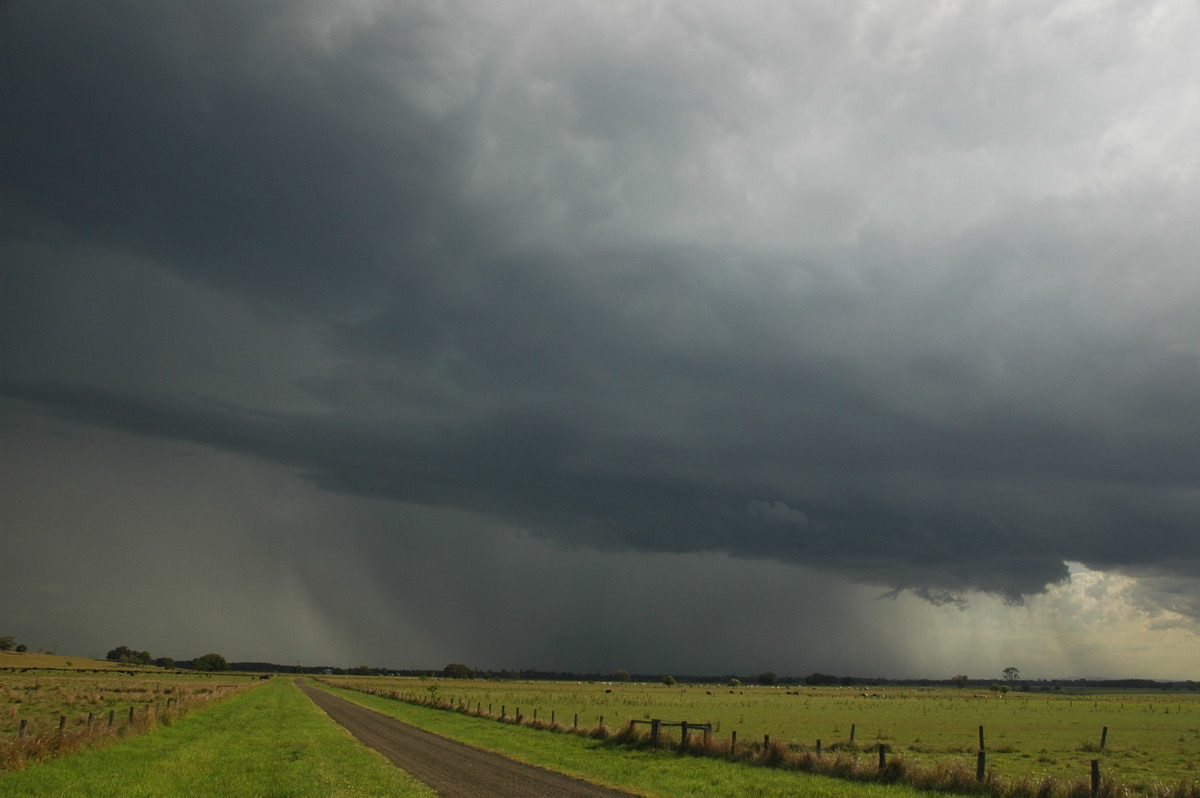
(210, 662)
(456, 670)
(127, 656)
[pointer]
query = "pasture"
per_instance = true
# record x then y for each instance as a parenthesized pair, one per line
(269, 740)
(1153, 737)
(41, 697)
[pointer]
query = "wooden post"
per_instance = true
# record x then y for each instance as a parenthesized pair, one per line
(851, 732)
(62, 724)
(1095, 776)
(131, 714)
(575, 723)
(1103, 738)
(766, 741)
(882, 756)
(535, 714)
(552, 717)
(601, 721)
(91, 717)
(980, 766)
(111, 715)
(981, 745)
(683, 734)
(24, 727)
(818, 747)
(655, 730)
(732, 740)
(502, 708)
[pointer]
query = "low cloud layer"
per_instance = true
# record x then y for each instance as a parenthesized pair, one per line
(901, 299)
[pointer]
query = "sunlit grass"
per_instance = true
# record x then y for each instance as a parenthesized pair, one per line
(270, 741)
(1031, 738)
(638, 771)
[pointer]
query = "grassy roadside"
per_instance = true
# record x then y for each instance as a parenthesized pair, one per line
(270, 741)
(643, 772)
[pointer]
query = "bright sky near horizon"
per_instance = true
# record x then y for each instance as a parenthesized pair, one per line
(687, 337)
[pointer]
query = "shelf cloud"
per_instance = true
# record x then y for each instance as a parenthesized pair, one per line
(901, 300)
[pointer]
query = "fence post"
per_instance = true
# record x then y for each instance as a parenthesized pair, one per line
(732, 741)
(111, 716)
(655, 728)
(62, 724)
(766, 741)
(91, 717)
(851, 732)
(24, 727)
(882, 756)
(1095, 776)
(131, 714)
(683, 734)
(553, 717)
(1103, 738)
(981, 745)
(980, 766)
(575, 723)
(818, 747)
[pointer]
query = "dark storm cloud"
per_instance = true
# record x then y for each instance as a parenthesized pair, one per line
(822, 288)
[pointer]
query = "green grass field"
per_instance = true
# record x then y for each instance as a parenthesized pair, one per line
(40, 697)
(270, 740)
(638, 771)
(1152, 736)
(267, 741)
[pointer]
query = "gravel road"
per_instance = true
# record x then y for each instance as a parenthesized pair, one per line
(454, 769)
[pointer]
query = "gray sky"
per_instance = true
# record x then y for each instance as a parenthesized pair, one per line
(691, 337)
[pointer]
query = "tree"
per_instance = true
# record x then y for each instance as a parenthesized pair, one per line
(735, 682)
(7, 642)
(622, 676)
(120, 654)
(21, 648)
(210, 662)
(768, 678)
(960, 681)
(165, 662)
(456, 670)
(669, 681)
(1011, 674)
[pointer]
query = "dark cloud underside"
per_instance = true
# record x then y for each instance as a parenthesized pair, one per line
(903, 295)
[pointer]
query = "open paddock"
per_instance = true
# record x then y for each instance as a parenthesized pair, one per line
(42, 697)
(1152, 736)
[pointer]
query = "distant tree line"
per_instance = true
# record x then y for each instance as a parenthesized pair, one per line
(128, 656)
